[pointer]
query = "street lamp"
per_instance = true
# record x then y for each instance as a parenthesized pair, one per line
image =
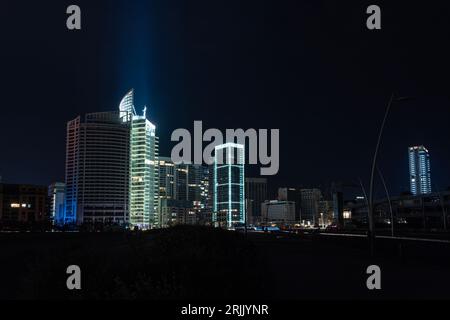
(371, 233)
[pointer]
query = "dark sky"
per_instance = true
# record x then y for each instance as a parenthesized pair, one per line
(310, 68)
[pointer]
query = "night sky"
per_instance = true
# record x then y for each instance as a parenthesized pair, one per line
(310, 68)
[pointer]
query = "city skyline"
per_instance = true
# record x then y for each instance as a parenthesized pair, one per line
(335, 89)
(224, 158)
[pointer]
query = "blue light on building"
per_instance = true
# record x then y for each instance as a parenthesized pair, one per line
(419, 170)
(229, 185)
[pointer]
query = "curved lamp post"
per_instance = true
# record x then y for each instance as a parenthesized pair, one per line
(371, 233)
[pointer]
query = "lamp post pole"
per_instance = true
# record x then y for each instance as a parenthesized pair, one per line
(389, 201)
(444, 213)
(371, 233)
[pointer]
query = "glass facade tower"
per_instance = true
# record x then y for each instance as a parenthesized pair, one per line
(143, 191)
(143, 174)
(419, 170)
(229, 185)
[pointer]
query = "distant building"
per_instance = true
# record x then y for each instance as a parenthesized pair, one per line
(176, 212)
(419, 170)
(56, 194)
(181, 182)
(186, 183)
(425, 211)
(338, 208)
(326, 213)
(294, 195)
(167, 180)
(23, 204)
(229, 185)
(256, 194)
(198, 185)
(278, 212)
(310, 199)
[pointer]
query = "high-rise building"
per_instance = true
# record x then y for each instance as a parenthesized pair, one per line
(338, 208)
(229, 185)
(198, 182)
(187, 184)
(419, 170)
(310, 206)
(166, 178)
(56, 193)
(256, 194)
(181, 179)
(112, 168)
(144, 182)
(167, 191)
(97, 169)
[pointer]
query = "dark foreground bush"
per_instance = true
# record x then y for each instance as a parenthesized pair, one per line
(181, 262)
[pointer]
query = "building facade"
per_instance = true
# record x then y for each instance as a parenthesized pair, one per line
(229, 185)
(278, 212)
(425, 211)
(256, 194)
(310, 199)
(419, 170)
(144, 184)
(97, 169)
(23, 204)
(294, 195)
(176, 212)
(186, 184)
(167, 181)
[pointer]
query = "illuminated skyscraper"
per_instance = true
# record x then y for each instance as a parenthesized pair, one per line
(419, 170)
(229, 185)
(143, 193)
(97, 169)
